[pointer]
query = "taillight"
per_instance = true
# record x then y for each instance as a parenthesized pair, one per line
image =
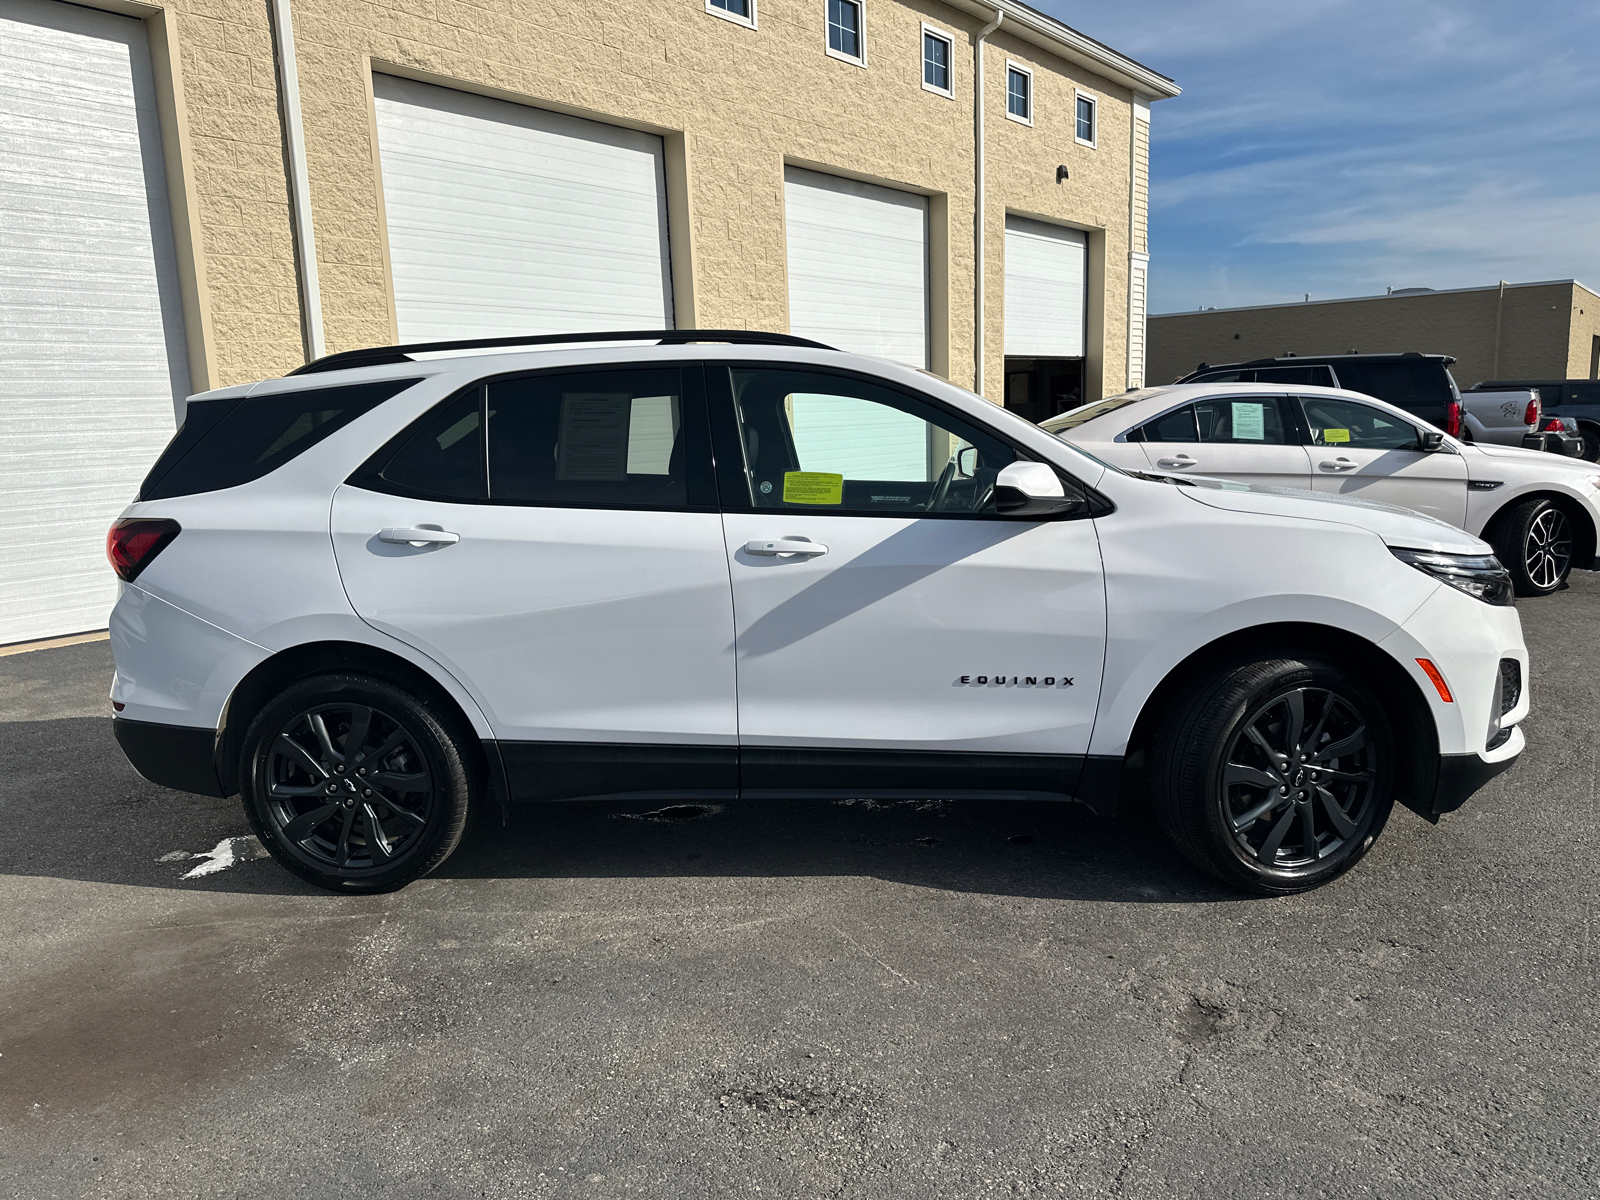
(134, 542)
(1530, 415)
(1452, 418)
(1553, 425)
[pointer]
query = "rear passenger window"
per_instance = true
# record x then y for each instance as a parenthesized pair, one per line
(444, 458)
(1176, 426)
(240, 440)
(1228, 420)
(605, 439)
(1316, 376)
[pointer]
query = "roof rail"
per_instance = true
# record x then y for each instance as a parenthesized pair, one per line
(374, 356)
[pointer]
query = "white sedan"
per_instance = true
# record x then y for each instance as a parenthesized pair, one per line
(1539, 512)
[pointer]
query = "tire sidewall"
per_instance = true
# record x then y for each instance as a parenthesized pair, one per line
(1294, 671)
(438, 743)
(1511, 545)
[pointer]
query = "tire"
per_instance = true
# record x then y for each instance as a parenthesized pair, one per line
(1591, 442)
(1534, 541)
(329, 813)
(1257, 819)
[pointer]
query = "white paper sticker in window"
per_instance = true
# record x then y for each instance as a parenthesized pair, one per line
(1249, 421)
(594, 437)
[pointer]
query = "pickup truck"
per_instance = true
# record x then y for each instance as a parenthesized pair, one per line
(1423, 386)
(1573, 400)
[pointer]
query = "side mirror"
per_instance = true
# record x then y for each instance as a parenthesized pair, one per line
(1032, 489)
(1432, 440)
(967, 461)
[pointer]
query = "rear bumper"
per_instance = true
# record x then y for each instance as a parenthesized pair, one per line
(179, 757)
(1565, 444)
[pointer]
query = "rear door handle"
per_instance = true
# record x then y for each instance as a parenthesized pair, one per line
(784, 546)
(419, 535)
(1337, 464)
(1180, 460)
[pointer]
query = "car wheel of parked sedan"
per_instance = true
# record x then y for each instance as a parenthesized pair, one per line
(355, 784)
(1275, 775)
(1534, 541)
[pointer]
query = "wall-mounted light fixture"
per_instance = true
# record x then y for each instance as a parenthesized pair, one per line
(1061, 174)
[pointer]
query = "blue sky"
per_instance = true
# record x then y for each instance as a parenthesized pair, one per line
(1338, 147)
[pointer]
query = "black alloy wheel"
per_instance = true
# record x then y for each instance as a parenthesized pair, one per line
(356, 785)
(1534, 541)
(1298, 778)
(1274, 773)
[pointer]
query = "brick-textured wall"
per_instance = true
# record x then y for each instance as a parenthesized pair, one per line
(1535, 339)
(1581, 348)
(743, 102)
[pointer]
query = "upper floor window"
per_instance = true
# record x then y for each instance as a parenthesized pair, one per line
(741, 11)
(846, 38)
(937, 52)
(1019, 93)
(1087, 119)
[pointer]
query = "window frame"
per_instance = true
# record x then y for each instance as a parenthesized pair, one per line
(748, 22)
(1026, 72)
(931, 31)
(733, 475)
(1079, 96)
(700, 472)
(861, 33)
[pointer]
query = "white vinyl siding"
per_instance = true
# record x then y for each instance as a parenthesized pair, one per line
(1138, 289)
(858, 265)
(1046, 275)
(505, 219)
(91, 324)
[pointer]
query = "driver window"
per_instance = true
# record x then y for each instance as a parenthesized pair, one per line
(1356, 426)
(819, 442)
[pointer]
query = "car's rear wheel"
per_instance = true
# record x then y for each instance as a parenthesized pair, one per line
(1275, 774)
(355, 784)
(1534, 541)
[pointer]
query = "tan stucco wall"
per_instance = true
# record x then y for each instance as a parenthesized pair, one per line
(1539, 332)
(733, 104)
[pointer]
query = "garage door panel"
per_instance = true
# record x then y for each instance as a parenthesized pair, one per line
(505, 219)
(858, 265)
(91, 335)
(1046, 289)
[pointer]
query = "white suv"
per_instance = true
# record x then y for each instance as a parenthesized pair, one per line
(389, 591)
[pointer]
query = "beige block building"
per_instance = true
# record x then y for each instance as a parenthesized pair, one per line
(207, 192)
(1548, 330)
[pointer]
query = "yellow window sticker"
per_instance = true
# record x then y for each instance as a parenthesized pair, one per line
(812, 487)
(1330, 436)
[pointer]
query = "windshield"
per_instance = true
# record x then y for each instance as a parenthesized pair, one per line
(1088, 412)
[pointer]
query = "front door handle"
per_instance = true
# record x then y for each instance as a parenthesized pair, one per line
(419, 535)
(1337, 464)
(784, 546)
(1176, 461)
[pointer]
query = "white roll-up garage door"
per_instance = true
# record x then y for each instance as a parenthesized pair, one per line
(858, 265)
(91, 323)
(505, 219)
(1046, 270)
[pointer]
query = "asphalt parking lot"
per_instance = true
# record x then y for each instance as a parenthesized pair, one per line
(843, 1000)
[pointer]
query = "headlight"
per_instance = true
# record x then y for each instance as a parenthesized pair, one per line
(1478, 575)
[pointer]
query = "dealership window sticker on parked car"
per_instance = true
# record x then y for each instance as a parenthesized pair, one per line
(1333, 436)
(1249, 421)
(812, 487)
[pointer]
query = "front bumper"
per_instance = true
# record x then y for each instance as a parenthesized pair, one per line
(1460, 775)
(179, 757)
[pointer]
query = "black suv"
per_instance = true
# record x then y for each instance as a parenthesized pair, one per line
(1571, 399)
(1419, 383)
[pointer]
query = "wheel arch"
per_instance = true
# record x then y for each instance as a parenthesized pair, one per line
(272, 675)
(1586, 535)
(1408, 709)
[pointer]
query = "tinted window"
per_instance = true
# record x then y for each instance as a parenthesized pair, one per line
(1419, 386)
(1582, 393)
(241, 440)
(444, 457)
(1316, 376)
(1176, 426)
(817, 442)
(604, 439)
(1225, 377)
(1345, 423)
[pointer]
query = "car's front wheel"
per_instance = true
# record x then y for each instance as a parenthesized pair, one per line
(1275, 774)
(355, 784)
(1533, 540)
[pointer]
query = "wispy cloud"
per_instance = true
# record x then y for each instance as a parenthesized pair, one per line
(1339, 146)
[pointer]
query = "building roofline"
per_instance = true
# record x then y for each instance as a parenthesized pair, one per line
(1061, 39)
(1387, 296)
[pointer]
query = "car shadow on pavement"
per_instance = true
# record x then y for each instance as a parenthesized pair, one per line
(72, 808)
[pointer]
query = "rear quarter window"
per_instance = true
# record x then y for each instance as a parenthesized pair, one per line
(224, 443)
